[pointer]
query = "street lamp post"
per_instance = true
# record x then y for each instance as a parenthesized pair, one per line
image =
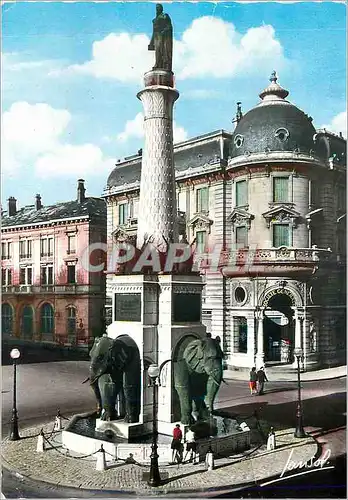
(14, 434)
(299, 431)
(155, 478)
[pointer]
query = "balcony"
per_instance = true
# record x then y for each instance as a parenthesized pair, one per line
(54, 289)
(264, 261)
(25, 256)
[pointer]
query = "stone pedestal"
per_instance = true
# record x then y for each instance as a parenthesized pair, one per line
(121, 429)
(169, 317)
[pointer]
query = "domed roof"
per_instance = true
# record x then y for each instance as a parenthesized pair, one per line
(274, 125)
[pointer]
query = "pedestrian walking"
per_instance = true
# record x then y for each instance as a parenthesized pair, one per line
(176, 445)
(191, 445)
(261, 379)
(252, 381)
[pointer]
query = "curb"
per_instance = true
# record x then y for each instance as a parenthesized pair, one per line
(138, 492)
(293, 380)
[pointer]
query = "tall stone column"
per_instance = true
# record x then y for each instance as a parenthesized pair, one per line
(157, 216)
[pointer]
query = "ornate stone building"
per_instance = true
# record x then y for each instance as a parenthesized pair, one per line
(266, 208)
(48, 292)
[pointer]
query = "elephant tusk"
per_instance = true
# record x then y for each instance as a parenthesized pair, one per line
(87, 379)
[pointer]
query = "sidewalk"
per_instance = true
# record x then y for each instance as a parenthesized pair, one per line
(55, 467)
(276, 373)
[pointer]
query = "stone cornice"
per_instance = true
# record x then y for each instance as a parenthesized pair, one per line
(276, 157)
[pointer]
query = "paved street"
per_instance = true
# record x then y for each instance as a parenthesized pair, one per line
(43, 387)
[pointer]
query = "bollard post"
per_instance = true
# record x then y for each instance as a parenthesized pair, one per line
(40, 447)
(58, 422)
(101, 462)
(271, 442)
(209, 459)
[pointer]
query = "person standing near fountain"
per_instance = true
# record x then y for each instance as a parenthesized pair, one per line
(252, 381)
(191, 445)
(176, 444)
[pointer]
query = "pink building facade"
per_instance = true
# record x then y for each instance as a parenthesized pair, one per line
(49, 292)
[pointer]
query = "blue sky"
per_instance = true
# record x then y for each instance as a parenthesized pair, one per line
(71, 72)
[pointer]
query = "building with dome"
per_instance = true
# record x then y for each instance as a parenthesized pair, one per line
(266, 208)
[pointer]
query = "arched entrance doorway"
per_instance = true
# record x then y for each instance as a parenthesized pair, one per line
(279, 328)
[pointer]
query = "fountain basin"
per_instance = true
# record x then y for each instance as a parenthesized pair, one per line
(81, 436)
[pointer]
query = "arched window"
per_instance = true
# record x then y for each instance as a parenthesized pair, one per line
(71, 321)
(27, 322)
(47, 319)
(6, 320)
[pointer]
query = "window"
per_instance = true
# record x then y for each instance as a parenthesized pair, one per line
(135, 208)
(71, 320)
(27, 322)
(122, 213)
(6, 277)
(241, 193)
(280, 189)
(240, 331)
(202, 200)
(71, 243)
(47, 275)
(341, 243)
(241, 237)
(71, 274)
(26, 276)
(280, 235)
(6, 250)
(314, 193)
(201, 241)
(47, 319)
(46, 249)
(238, 140)
(6, 319)
(282, 134)
(25, 249)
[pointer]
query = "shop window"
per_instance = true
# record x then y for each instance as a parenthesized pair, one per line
(27, 322)
(6, 320)
(47, 319)
(240, 327)
(71, 321)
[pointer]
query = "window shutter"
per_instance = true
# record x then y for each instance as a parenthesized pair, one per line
(280, 235)
(241, 193)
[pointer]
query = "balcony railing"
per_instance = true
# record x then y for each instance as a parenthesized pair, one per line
(25, 256)
(266, 255)
(56, 289)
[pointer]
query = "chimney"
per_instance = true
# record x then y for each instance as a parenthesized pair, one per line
(12, 206)
(81, 191)
(38, 203)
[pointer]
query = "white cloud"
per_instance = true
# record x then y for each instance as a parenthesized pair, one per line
(32, 136)
(213, 47)
(209, 47)
(135, 128)
(122, 57)
(338, 124)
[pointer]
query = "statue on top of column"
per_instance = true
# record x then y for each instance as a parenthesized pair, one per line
(162, 39)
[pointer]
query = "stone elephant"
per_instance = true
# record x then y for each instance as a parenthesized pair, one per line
(115, 365)
(197, 378)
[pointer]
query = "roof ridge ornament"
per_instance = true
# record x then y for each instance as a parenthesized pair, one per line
(274, 91)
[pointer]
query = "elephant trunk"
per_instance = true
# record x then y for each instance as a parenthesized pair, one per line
(214, 371)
